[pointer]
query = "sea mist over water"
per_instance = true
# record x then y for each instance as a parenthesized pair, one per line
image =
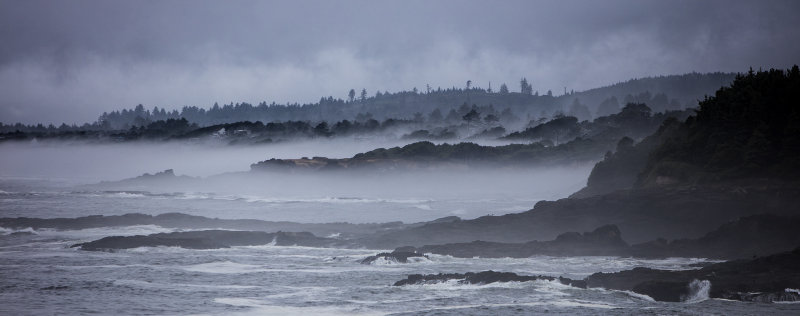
(70, 177)
(86, 163)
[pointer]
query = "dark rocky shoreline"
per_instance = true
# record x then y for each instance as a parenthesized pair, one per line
(746, 237)
(772, 278)
(484, 277)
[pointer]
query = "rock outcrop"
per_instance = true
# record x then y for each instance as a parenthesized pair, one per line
(483, 277)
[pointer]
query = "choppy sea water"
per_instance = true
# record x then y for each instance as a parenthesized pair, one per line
(40, 274)
(45, 199)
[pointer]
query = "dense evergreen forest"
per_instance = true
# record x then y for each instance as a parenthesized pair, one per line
(747, 131)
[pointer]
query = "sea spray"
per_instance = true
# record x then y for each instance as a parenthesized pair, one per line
(698, 291)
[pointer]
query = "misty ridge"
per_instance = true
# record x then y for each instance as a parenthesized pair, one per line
(510, 147)
(451, 114)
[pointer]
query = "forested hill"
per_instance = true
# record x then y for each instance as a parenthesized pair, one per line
(521, 100)
(747, 131)
(685, 89)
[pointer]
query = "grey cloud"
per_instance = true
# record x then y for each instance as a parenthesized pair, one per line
(69, 61)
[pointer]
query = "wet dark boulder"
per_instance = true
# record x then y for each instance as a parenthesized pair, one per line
(483, 277)
(394, 257)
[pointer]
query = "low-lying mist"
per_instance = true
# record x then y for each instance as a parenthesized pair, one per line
(221, 185)
(81, 162)
(87, 163)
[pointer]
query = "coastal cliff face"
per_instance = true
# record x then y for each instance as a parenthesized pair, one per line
(641, 215)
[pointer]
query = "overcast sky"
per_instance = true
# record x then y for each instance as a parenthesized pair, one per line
(68, 61)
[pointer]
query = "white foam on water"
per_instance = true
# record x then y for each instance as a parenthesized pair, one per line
(582, 303)
(639, 296)
(559, 303)
(6, 231)
(344, 269)
(383, 261)
(224, 267)
(571, 267)
(698, 291)
(259, 307)
(454, 285)
(126, 195)
(275, 200)
(146, 284)
(418, 260)
(553, 288)
(109, 266)
(162, 249)
(632, 294)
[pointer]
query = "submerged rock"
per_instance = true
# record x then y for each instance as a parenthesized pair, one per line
(394, 257)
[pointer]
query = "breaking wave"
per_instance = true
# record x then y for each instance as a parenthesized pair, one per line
(698, 291)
